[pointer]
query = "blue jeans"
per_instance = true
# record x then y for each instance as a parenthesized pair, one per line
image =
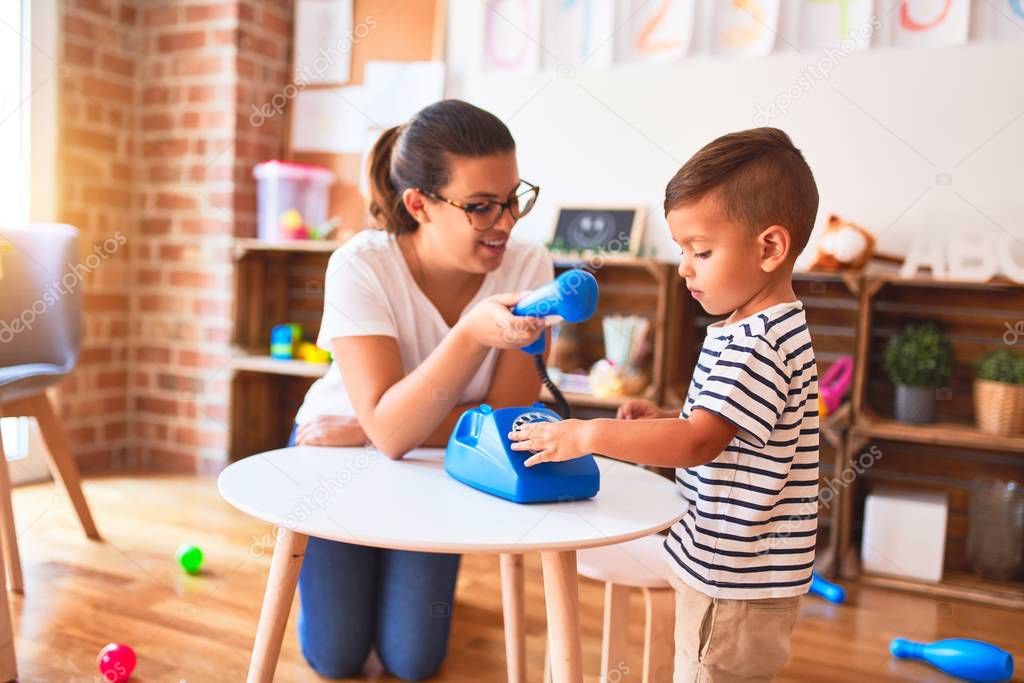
(353, 597)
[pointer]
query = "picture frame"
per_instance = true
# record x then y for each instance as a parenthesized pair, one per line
(613, 230)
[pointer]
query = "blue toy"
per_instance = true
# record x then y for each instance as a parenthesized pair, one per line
(284, 340)
(971, 660)
(832, 592)
(480, 455)
(479, 452)
(572, 295)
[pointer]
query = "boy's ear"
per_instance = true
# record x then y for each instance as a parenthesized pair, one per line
(774, 243)
(416, 204)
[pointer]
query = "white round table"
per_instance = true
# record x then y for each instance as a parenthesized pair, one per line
(358, 495)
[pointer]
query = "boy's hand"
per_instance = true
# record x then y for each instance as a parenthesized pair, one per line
(553, 441)
(640, 409)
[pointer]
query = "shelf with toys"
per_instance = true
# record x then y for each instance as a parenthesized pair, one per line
(930, 352)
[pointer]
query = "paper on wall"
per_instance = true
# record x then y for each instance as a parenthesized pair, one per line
(744, 28)
(512, 36)
(656, 32)
(578, 34)
(330, 120)
(397, 90)
(1004, 19)
(928, 23)
(323, 41)
(846, 25)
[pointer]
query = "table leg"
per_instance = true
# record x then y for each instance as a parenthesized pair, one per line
(277, 603)
(562, 599)
(514, 615)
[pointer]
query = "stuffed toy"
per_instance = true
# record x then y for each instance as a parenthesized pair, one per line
(843, 246)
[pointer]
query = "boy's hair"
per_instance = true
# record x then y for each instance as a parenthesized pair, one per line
(758, 178)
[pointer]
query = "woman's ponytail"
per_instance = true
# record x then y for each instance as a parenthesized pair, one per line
(386, 205)
(417, 155)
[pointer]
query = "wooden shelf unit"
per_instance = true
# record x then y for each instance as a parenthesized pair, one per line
(283, 283)
(944, 455)
(635, 286)
(274, 284)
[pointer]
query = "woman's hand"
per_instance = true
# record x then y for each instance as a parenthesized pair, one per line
(490, 323)
(552, 441)
(641, 409)
(331, 430)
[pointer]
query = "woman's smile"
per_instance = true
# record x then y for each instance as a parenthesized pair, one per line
(495, 247)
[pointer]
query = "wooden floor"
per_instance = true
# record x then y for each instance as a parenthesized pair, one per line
(79, 595)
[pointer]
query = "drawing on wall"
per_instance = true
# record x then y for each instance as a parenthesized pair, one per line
(744, 28)
(929, 23)
(579, 33)
(848, 24)
(1003, 19)
(512, 35)
(655, 31)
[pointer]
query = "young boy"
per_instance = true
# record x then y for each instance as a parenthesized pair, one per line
(746, 442)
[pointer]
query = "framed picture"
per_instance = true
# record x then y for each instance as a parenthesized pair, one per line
(614, 230)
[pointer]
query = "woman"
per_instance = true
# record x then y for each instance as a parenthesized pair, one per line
(418, 318)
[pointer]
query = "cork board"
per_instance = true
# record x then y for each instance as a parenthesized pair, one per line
(406, 31)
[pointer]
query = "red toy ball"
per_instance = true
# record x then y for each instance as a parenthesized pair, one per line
(116, 662)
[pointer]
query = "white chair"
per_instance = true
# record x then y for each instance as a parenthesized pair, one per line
(39, 345)
(634, 564)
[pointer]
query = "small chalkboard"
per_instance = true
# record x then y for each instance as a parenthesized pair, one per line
(616, 230)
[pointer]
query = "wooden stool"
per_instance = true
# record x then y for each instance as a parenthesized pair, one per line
(63, 468)
(634, 564)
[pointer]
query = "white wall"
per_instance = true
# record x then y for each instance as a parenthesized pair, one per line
(878, 132)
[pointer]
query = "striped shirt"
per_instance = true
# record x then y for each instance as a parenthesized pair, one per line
(752, 513)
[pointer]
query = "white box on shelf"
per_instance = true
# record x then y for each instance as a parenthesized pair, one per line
(905, 534)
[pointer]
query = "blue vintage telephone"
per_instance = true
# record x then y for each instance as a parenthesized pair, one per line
(479, 453)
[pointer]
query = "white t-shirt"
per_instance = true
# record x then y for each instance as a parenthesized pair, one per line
(369, 291)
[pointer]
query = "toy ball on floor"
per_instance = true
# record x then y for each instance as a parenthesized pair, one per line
(116, 662)
(190, 557)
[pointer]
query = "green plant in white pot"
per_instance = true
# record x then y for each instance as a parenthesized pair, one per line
(918, 360)
(999, 392)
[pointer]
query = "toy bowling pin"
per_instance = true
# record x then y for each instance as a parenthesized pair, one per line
(971, 660)
(830, 591)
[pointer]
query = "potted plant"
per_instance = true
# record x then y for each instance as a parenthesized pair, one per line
(918, 360)
(999, 392)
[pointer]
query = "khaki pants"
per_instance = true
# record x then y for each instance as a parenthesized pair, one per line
(721, 641)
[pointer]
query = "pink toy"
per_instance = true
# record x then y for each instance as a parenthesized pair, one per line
(116, 662)
(834, 385)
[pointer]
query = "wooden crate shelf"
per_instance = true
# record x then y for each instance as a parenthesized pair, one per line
(245, 245)
(944, 455)
(954, 585)
(293, 368)
(871, 426)
(633, 286)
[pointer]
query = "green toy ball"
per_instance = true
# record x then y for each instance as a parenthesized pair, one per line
(190, 557)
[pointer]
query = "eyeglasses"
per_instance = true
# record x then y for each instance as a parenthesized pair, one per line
(485, 215)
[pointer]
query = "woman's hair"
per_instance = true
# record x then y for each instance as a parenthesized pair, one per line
(417, 154)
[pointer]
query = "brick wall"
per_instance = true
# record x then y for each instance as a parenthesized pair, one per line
(96, 152)
(159, 325)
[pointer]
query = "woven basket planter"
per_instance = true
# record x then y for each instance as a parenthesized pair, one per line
(999, 407)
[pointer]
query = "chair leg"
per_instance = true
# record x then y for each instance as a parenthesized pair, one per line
(659, 635)
(547, 660)
(8, 532)
(615, 634)
(8, 664)
(62, 463)
(514, 616)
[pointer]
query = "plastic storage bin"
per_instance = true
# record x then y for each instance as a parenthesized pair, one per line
(286, 185)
